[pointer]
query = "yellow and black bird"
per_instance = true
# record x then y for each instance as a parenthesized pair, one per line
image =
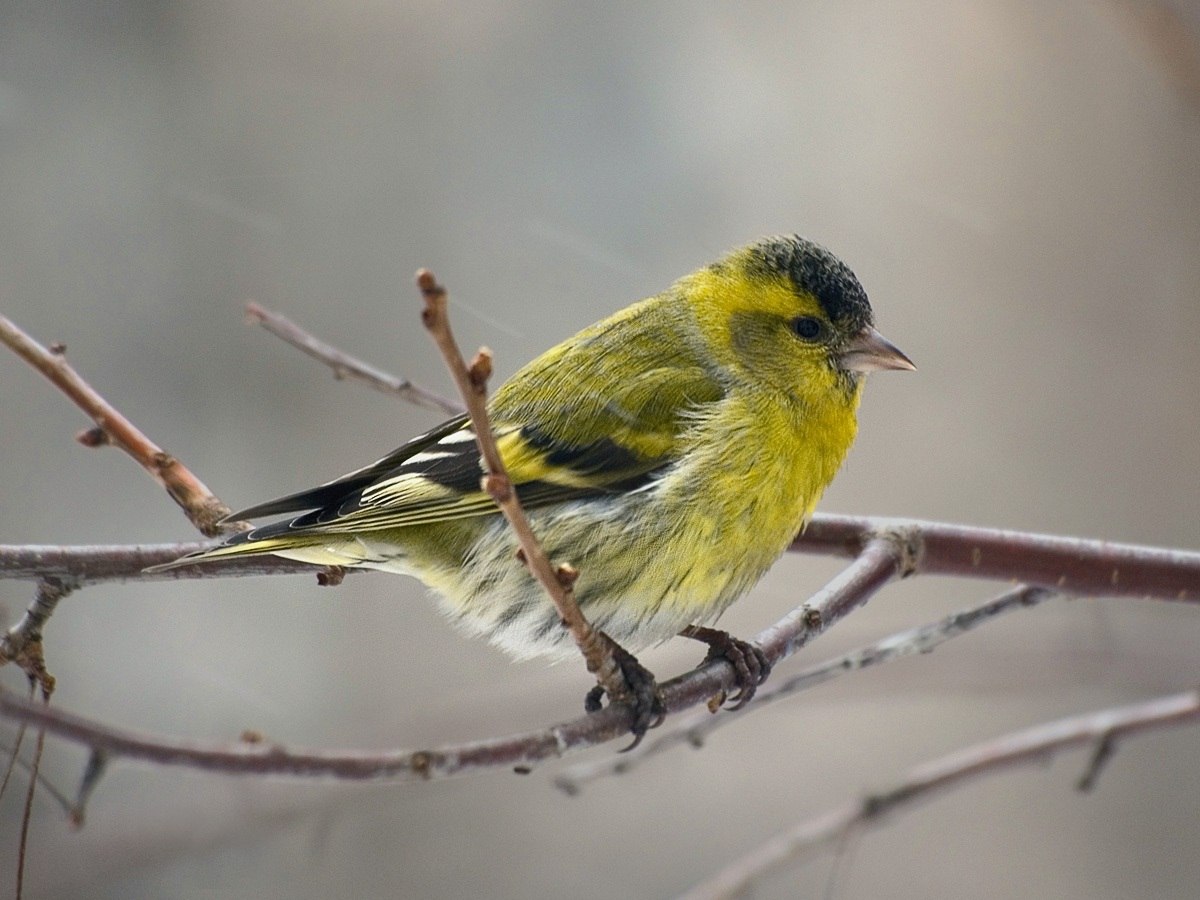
(670, 452)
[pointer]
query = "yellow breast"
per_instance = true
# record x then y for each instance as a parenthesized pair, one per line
(759, 465)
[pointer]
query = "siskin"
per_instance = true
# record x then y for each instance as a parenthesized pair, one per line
(670, 452)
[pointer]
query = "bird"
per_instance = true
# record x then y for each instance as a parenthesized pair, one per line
(669, 453)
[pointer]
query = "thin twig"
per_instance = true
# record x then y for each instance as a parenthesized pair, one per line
(848, 590)
(346, 366)
(694, 728)
(1030, 745)
(198, 503)
(100, 563)
(14, 756)
(35, 766)
(45, 783)
(557, 581)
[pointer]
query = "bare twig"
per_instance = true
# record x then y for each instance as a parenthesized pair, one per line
(198, 503)
(1021, 747)
(45, 783)
(15, 754)
(100, 563)
(27, 811)
(848, 590)
(557, 581)
(694, 728)
(346, 366)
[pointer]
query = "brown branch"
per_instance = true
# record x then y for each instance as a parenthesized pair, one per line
(346, 366)
(1030, 745)
(694, 728)
(99, 563)
(557, 581)
(198, 503)
(1072, 565)
(850, 589)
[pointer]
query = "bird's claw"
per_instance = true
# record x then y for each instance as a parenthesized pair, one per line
(640, 694)
(750, 664)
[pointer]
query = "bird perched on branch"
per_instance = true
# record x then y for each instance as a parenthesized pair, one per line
(670, 453)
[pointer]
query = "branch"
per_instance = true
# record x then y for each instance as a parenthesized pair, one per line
(1031, 745)
(1082, 566)
(1071, 565)
(694, 728)
(346, 366)
(99, 563)
(850, 589)
(556, 581)
(198, 503)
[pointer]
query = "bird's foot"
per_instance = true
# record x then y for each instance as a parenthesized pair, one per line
(640, 694)
(750, 665)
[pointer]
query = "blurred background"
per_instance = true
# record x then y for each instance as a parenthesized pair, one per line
(1016, 185)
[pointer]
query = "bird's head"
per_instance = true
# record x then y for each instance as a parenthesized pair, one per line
(788, 312)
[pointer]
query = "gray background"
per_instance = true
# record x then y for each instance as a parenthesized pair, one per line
(1018, 187)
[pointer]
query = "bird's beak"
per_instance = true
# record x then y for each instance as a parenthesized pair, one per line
(870, 351)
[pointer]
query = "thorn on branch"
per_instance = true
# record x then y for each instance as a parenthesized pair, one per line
(435, 298)
(481, 369)
(94, 437)
(97, 765)
(422, 763)
(163, 461)
(567, 574)
(499, 488)
(1105, 748)
(331, 576)
(58, 348)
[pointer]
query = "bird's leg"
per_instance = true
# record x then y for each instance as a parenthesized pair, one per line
(750, 665)
(641, 693)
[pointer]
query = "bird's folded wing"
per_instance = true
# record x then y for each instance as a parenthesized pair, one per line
(565, 448)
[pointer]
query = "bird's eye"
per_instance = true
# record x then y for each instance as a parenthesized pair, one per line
(807, 328)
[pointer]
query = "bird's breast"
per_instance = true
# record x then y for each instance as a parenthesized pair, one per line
(749, 479)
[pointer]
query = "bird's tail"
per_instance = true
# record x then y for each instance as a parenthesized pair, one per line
(305, 548)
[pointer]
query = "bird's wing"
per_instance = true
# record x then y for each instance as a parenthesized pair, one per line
(333, 491)
(560, 449)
